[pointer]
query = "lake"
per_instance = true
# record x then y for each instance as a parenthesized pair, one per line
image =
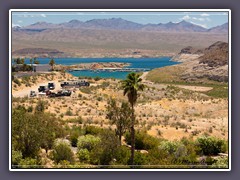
(147, 63)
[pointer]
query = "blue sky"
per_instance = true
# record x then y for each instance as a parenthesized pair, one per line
(204, 18)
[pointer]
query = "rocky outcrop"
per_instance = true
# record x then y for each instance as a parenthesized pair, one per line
(215, 55)
(187, 54)
(212, 64)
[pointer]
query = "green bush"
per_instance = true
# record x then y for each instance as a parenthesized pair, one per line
(143, 140)
(181, 152)
(16, 158)
(210, 145)
(140, 159)
(169, 146)
(93, 130)
(83, 155)
(122, 155)
(88, 142)
(28, 163)
(222, 162)
(62, 151)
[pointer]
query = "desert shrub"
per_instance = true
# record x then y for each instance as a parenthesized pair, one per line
(181, 152)
(143, 140)
(28, 163)
(210, 145)
(75, 132)
(17, 82)
(62, 151)
(78, 120)
(16, 158)
(104, 152)
(169, 146)
(93, 130)
(69, 112)
(83, 155)
(221, 162)
(104, 84)
(74, 139)
(88, 142)
(41, 106)
(122, 155)
(158, 156)
(97, 78)
(63, 164)
(99, 98)
(140, 159)
(30, 109)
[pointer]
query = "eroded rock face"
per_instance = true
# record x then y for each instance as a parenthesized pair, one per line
(212, 64)
(215, 55)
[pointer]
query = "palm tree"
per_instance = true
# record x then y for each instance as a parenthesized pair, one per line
(51, 63)
(131, 86)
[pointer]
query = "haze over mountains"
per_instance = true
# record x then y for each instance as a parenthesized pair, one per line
(121, 24)
(113, 37)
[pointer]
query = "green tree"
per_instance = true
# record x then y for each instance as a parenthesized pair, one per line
(119, 116)
(31, 62)
(131, 86)
(32, 131)
(35, 61)
(19, 61)
(25, 133)
(51, 63)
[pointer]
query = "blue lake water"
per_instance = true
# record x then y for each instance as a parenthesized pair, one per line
(147, 63)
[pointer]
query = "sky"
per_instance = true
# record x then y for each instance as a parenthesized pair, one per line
(205, 19)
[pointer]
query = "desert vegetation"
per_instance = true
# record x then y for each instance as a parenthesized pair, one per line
(174, 127)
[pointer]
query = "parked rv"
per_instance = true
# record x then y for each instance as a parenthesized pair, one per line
(76, 84)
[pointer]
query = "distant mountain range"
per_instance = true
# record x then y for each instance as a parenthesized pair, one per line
(121, 24)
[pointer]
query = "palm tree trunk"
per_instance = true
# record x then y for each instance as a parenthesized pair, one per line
(132, 138)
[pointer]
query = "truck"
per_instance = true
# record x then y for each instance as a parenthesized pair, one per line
(43, 89)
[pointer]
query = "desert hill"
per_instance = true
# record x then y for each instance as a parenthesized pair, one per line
(204, 66)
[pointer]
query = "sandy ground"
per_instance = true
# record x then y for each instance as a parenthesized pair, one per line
(195, 88)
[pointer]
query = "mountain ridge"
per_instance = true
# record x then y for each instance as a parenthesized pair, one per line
(122, 24)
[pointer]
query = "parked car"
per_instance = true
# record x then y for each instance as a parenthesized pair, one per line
(66, 93)
(33, 94)
(59, 93)
(43, 89)
(51, 85)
